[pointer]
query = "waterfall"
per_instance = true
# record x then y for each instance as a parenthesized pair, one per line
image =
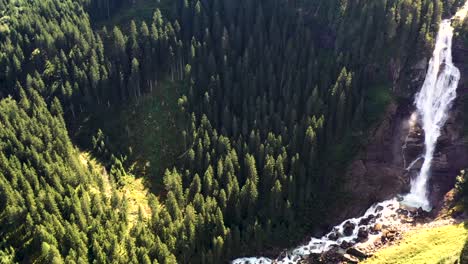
(433, 103)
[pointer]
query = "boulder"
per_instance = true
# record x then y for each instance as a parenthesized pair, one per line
(383, 239)
(401, 211)
(421, 214)
(367, 220)
(377, 228)
(363, 234)
(350, 259)
(333, 236)
(388, 235)
(312, 258)
(407, 220)
(348, 228)
(357, 253)
(346, 245)
(391, 236)
(364, 222)
(379, 209)
(334, 255)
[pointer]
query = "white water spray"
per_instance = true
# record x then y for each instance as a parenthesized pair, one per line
(433, 103)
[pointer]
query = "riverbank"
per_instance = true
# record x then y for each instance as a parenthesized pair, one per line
(439, 233)
(442, 244)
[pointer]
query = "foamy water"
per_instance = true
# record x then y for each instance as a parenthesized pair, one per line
(433, 103)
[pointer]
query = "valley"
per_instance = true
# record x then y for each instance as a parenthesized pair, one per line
(208, 131)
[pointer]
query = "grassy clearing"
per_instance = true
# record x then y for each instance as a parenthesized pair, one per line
(427, 246)
(147, 131)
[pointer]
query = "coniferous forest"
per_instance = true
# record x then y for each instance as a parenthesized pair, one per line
(239, 117)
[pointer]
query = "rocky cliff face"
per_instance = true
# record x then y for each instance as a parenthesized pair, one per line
(378, 173)
(394, 155)
(452, 148)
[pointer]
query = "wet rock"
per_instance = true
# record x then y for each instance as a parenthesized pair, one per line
(346, 245)
(350, 259)
(379, 209)
(401, 211)
(312, 258)
(367, 220)
(441, 163)
(383, 239)
(414, 147)
(421, 214)
(363, 222)
(407, 220)
(334, 255)
(417, 165)
(363, 234)
(333, 236)
(357, 253)
(296, 259)
(348, 228)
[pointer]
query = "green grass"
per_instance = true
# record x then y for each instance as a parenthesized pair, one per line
(427, 246)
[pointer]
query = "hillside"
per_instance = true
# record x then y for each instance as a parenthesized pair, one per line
(446, 244)
(158, 131)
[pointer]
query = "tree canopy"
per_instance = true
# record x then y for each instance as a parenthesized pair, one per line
(268, 89)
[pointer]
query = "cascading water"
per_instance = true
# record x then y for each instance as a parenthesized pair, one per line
(433, 104)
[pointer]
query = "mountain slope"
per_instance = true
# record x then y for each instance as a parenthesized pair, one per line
(276, 98)
(53, 208)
